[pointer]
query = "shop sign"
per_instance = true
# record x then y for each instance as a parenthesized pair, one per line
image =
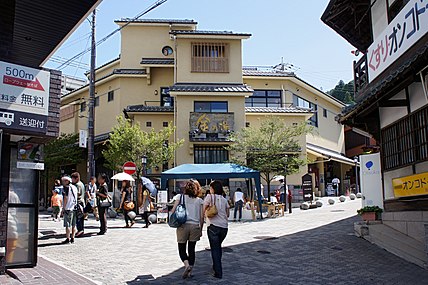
(410, 25)
(83, 138)
(412, 185)
(211, 123)
(307, 187)
(24, 98)
(371, 179)
(30, 156)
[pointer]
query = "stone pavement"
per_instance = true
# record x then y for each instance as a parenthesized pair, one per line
(45, 273)
(307, 247)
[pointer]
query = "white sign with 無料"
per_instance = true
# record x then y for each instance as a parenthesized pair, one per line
(410, 25)
(24, 89)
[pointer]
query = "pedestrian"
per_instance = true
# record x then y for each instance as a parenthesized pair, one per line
(191, 231)
(144, 203)
(58, 187)
(217, 225)
(70, 203)
(238, 199)
(336, 182)
(125, 202)
(91, 196)
(102, 202)
(75, 177)
(56, 204)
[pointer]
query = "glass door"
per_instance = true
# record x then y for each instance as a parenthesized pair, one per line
(21, 249)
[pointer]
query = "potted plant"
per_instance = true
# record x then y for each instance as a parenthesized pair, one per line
(370, 213)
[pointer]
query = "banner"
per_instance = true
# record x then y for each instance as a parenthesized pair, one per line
(371, 180)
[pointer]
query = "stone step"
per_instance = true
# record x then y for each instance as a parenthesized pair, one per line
(398, 243)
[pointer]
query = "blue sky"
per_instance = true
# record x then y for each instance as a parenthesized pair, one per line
(280, 28)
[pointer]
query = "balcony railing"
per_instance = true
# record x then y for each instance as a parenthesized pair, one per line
(210, 64)
(361, 76)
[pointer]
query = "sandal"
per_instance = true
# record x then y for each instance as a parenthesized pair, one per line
(186, 272)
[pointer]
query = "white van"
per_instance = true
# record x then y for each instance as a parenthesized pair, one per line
(7, 118)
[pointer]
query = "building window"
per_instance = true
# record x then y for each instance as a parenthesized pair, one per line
(211, 107)
(204, 154)
(110, 96)
(264, 98)
(165, 124)
(247, 124)
(324, 113)
(210, 57)
(149, 124)
(97, 101)
(83, 107)
(395, 7)
(166, 99)
(405, 142)
(300, 102)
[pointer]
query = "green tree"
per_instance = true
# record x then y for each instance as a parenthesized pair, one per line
(271, 149)
(61, 151)
(343, 92)
(129, 143)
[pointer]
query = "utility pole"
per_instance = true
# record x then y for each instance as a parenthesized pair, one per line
(91, 115)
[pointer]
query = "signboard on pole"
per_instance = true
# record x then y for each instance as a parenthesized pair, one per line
(24, 98)
(129, 167)
(307, 187)
(83, 138)
(371, 180)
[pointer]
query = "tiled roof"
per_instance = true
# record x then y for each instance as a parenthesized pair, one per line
(168, 61)
(249, 72)
(144, 108)
(290, 109)
(387, 82)
(129, 71)
(196, 87)
(214, 33)
(160, 21)
(105, 64)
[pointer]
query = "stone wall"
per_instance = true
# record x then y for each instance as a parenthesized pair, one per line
(411, 223)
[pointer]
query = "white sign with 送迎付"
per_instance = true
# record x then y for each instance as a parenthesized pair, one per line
(410, 25)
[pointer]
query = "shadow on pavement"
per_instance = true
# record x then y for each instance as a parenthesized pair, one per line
(330, 254)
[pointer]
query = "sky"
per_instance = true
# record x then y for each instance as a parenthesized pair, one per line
(286, 29)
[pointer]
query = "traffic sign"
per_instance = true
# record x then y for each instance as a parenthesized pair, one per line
(129, 167)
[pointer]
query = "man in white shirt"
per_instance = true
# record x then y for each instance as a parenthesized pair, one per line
(70, 203)
(238, 199)
(336, 183)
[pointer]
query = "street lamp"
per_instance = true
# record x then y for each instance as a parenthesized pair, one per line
(356, 174)
(144, 163)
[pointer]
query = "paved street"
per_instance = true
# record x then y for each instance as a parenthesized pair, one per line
(307, 247)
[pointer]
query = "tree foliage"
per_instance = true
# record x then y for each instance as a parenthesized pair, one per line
(61, 151)
(129, 143)
(343, 92)
(271, 149)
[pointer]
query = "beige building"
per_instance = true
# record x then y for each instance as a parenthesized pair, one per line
(170, 72)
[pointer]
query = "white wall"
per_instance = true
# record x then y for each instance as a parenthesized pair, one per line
(379, 17)
(417, 96)
(389, 175)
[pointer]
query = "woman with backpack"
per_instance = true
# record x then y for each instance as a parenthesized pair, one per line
(126, 203)
(191, 231)
(216, 209)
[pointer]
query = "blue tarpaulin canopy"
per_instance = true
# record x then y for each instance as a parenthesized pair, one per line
(213, 171)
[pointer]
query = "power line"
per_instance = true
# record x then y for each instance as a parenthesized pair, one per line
(152, 7)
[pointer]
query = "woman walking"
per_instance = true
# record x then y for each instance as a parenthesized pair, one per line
(102, 195)
(217, 224)
(124, 202)
(191, 231)
(144, 204)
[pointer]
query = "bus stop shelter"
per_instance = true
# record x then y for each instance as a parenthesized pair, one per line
(213, 171)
